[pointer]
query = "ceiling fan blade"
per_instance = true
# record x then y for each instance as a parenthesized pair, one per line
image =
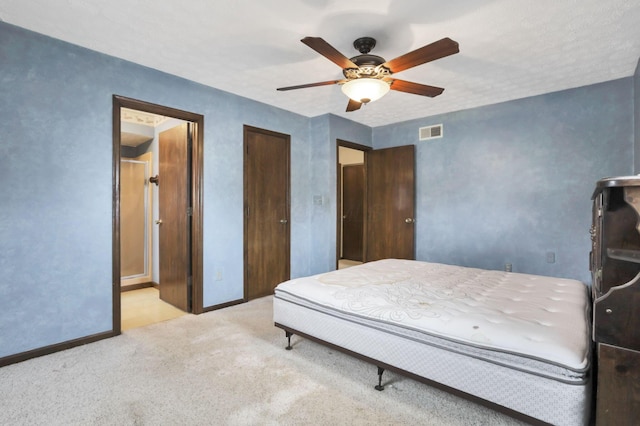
(304, 86)
(415, 88)
(329, 52)
(428, 53)
(353, 105)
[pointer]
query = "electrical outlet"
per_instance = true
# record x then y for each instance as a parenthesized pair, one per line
(507, 267)
(551, 257)
(219, 275)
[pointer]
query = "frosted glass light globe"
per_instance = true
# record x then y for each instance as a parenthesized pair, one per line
(365, 90)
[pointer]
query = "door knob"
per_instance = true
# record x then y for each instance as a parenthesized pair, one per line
(409, 220)
(159, 222)
(283, 221)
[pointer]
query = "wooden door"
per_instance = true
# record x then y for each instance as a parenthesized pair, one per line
(175, 227)
(390, 203)
(352, 211)
(266, 211)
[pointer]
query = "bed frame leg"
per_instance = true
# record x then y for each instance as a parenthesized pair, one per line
(379, 386)
(288, 334)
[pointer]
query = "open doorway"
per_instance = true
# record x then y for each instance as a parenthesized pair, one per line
(351, 196)
(156, 250)
(388, 203)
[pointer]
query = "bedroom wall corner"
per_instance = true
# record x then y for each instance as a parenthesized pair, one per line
(349, 131)
(319, 165)
(324, 130)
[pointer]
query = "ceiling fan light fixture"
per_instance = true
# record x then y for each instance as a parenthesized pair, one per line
(365, 90)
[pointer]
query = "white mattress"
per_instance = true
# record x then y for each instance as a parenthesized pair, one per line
(526, 322)
(552, 401)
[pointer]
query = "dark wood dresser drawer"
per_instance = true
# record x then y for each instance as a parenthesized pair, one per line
(618, 393)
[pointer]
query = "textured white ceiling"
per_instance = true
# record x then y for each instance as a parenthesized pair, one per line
(509, 49)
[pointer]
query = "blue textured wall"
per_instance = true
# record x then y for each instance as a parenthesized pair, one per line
(56, 177)
(510, 182)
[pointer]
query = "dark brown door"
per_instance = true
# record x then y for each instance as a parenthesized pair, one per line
(174, 228)
(352, 211)
(390, 199)
(266, 208)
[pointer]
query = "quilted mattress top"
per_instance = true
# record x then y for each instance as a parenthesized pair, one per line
(540, 317)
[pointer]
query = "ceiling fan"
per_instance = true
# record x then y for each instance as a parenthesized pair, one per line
(368, 77)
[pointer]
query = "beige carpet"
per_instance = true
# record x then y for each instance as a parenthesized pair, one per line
(226, 367)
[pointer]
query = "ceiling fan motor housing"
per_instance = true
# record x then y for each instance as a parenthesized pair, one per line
(368, 65)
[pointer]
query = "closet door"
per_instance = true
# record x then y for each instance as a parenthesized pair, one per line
(390, 203)
(266, 211)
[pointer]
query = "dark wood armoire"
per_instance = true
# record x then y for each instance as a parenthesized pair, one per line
(615, 270)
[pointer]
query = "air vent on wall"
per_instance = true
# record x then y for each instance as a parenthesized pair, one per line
(430, 132)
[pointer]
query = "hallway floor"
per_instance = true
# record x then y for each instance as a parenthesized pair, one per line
(345, 263)
(143, 307)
